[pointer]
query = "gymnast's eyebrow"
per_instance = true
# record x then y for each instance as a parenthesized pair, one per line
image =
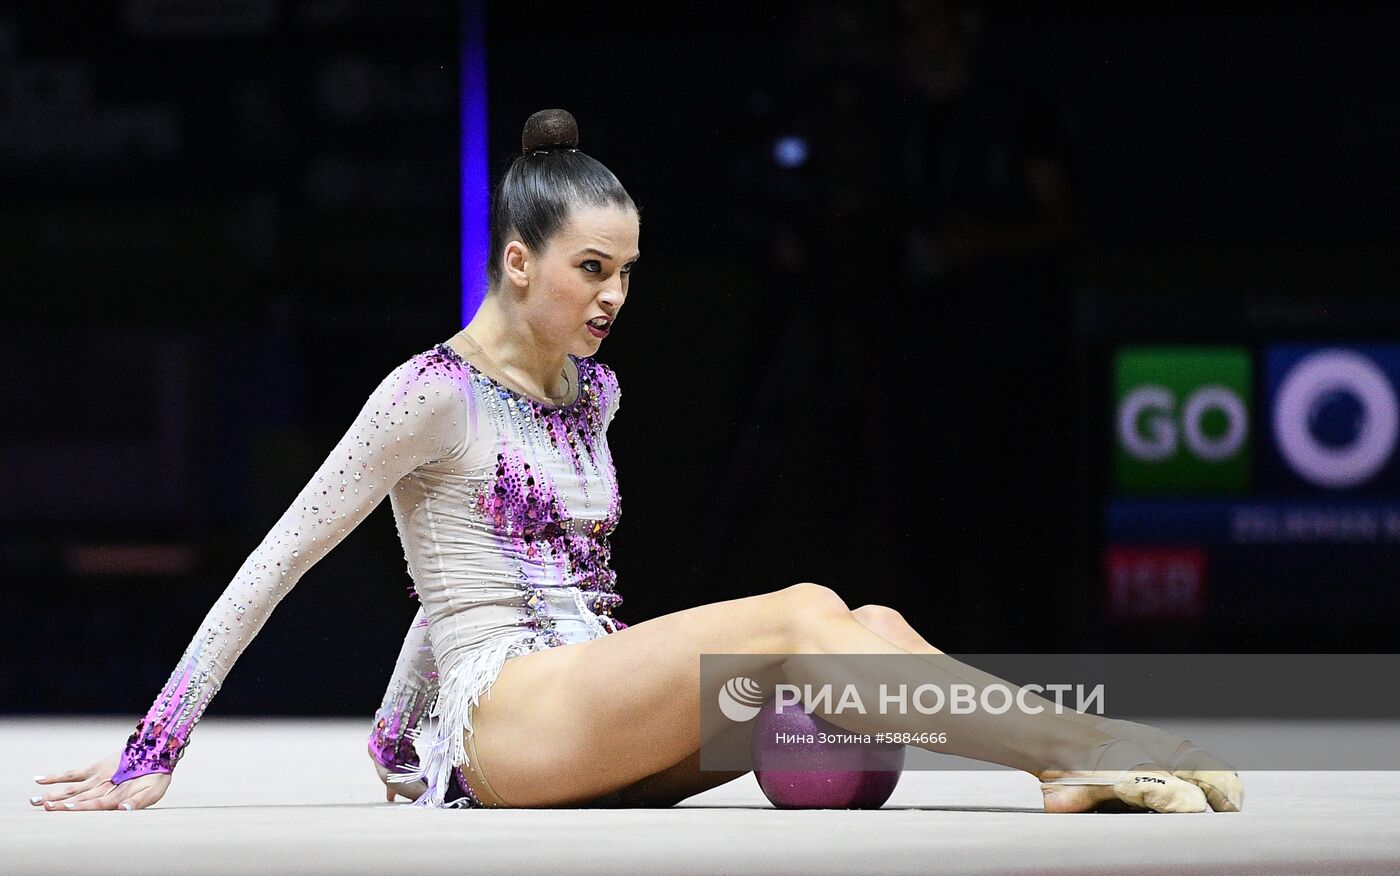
(599, 252)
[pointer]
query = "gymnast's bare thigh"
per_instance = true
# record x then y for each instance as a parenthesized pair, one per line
(575, 724)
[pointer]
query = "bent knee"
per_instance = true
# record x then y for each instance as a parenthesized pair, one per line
(815, 598)
(806, 609)
(877, 614)
(800, 611)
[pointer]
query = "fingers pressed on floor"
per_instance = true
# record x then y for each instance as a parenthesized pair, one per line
(89, 794)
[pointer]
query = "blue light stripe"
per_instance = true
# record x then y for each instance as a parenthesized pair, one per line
(475, 172)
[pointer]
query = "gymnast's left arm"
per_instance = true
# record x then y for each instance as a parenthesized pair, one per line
(406, 702)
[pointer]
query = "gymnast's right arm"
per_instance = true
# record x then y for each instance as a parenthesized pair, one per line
(413, 417)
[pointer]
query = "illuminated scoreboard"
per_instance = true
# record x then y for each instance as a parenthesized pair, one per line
(1253, 483)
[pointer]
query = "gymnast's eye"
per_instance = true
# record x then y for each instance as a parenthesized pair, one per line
(627, 268)
(592, 266)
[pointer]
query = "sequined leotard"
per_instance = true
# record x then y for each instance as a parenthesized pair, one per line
(504, 506)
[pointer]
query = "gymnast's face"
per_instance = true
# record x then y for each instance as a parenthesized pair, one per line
(575, 289)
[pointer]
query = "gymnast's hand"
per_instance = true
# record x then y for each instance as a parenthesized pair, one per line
(407, 790)
(91, 788)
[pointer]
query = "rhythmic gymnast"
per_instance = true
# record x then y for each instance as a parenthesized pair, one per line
(492, 448)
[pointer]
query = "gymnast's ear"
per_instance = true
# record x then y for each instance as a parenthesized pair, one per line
(516, 262)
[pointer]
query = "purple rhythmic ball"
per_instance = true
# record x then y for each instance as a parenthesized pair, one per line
(798, 771)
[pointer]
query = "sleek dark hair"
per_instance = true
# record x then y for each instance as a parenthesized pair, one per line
(549, 177)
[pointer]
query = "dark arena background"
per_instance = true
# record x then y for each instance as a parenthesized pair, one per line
(1061, 328)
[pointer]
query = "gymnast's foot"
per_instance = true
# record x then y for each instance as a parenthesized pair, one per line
(1146, 787)
(1220, 782)
(1121, 777)
(1074, 798)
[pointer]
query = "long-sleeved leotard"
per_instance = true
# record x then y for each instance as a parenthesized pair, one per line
(406, 702)
(504, 506)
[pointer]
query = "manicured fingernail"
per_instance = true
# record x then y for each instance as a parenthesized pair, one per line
(38, 778)
(36, 799)
(68, 805)
(127, 806)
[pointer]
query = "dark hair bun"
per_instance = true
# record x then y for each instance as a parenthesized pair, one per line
(549, 129)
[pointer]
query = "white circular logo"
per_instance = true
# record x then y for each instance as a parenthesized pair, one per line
(1314, 381)
(740, 699)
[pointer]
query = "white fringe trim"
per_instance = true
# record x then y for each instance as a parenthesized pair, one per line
(439, 743)
(594, 622)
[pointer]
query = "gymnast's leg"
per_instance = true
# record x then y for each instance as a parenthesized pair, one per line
(685, 779)
(1217, 779)
(572, 724)
(672, 785)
